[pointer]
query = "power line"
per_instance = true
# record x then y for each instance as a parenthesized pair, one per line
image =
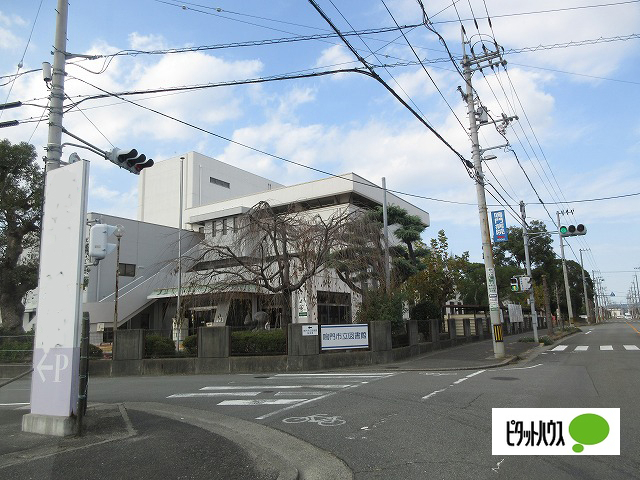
(553, 10)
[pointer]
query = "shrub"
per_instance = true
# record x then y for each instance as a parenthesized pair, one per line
(95, 351)
(259, 342)
(16, 350)
(379, 306)
(190, 344)
(158, 346)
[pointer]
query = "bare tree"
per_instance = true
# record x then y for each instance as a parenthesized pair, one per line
(272, 249)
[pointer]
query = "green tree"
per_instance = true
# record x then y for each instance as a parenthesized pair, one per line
(511, 252)
(407, 229)
(21, 189)
(440, 274)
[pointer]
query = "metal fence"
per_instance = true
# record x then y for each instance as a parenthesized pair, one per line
(16, 348)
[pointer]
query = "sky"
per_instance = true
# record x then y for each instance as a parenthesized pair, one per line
(577, 136)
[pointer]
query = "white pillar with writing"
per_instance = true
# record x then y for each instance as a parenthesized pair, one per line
(56, 353)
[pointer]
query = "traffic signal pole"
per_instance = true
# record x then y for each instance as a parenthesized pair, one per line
(566, 276)
(532, 300)
(490, 273)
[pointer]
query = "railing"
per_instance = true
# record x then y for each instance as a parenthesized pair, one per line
(16, 348)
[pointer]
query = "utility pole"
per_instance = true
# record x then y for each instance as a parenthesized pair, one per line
(558, 312)
(486, 59)
(56, 98)
(532, 300)
(115, 309)
(584, 286)
(595, 295)
(385, 223)
(566, 276)
(547, 305)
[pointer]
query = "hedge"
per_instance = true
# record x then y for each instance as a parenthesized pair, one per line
(259, 342)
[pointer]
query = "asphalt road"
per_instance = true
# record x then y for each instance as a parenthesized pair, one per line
(388, 424)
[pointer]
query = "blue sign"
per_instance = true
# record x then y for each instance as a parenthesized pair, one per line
(500, 233)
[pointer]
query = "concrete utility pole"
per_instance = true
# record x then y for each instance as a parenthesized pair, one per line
(532, 300)
(558, 312)
(54, 140)
(547, 305)
(584, 286)
(595, 295)
(566, 276)
(490, 273)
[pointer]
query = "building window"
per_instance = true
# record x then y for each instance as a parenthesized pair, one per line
(214, 225)
(334, 308)
(219, 182)
(224, 226)
(126, 270)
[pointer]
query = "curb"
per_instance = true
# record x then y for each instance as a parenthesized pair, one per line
(292, 457)
(507, 361)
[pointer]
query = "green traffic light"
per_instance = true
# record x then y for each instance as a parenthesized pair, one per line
(563, 230)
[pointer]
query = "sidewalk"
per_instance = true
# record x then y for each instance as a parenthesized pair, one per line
(150, 440)
(469, 356)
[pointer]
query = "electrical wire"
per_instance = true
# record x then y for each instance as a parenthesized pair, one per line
(20, 63)
(553, 10)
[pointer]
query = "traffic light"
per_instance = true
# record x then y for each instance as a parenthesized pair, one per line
(129, 159)
(515, 284)
(572, 230)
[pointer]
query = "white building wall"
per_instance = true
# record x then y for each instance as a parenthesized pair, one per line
(159, 187)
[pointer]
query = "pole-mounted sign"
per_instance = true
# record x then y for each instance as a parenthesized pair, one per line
(500, 233)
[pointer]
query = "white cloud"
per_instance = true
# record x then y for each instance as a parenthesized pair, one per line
(146, 42)
(336, 56)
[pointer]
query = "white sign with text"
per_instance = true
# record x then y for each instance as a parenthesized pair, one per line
(343, 337)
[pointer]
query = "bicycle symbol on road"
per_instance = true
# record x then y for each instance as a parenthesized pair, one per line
(321, 419)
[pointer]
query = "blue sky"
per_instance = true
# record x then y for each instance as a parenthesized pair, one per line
(578, 136)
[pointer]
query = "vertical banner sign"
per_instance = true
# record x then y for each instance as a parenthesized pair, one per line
(500, 233)
(56, 352)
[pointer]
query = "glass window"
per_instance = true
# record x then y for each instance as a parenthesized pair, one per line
(127, 270)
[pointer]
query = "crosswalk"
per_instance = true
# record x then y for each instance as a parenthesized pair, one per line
(591, 348)
(286, 389)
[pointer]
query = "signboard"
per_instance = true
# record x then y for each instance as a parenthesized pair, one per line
(515, 313)
(310, 330)
(500, 233)
(302, 304)
(342, 337)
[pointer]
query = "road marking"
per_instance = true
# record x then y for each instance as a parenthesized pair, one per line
(523, 368)
(454, 383)
(587, 333)
(283, 401)
(631, 347)
(582, 348)
(559, 348)
(638, 332)
(330, 375)
(215, 394)
(306, 394)
(271, 387)
(606, 347)
(13, 404)
(433, 393)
